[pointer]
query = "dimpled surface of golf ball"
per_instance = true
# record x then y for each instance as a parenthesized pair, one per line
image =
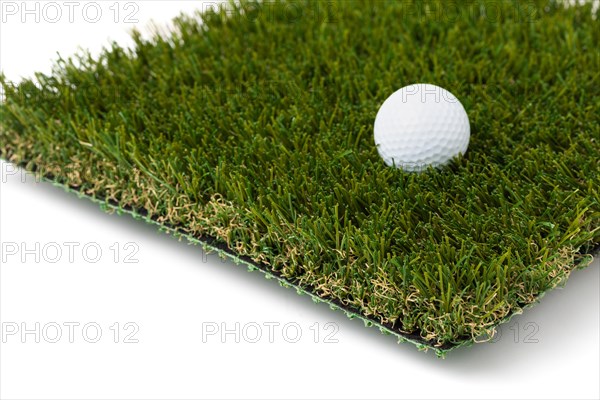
(419, 126)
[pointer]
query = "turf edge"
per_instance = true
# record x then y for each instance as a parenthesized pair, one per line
(210, 245)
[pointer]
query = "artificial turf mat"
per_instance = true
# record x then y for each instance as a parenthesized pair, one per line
(250, 130)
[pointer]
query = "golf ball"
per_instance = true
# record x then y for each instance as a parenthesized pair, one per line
(419, 126)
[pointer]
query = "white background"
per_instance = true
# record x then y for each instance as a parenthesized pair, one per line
(174, 292)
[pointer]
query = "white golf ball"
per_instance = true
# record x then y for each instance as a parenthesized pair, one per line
(419, 126)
